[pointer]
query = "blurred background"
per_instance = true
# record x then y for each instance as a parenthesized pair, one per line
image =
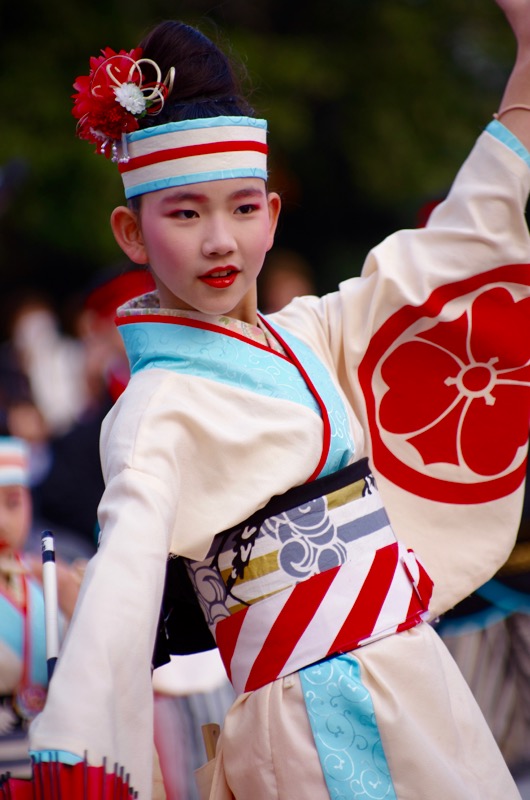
(372, 106)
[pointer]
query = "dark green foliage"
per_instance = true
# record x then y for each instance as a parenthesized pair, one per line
(372, 106)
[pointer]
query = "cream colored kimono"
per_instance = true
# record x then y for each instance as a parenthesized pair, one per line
(428, 352)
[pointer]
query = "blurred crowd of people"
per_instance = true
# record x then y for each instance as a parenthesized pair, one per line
(55, 389)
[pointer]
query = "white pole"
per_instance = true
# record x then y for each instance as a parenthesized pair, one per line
(51, 606)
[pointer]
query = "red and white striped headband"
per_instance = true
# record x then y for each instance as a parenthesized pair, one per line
(192, 151)
(14, 461)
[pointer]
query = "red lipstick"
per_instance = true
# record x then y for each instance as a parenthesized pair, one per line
(220, 277)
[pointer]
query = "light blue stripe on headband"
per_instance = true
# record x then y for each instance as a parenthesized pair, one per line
(198, 177)
(194, 124)
(14, 467)
(13, 476)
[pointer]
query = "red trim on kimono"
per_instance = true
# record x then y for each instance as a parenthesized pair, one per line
(312, 388)
(290, 357)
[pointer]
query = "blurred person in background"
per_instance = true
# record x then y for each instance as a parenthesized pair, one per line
(70, 491)
(189, 692)
(488, 635)
(285, 275)
(51, 360)
(23, 666)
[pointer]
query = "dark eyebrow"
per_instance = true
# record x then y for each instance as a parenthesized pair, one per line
(184, 196)
(189, 196)
(249, 191)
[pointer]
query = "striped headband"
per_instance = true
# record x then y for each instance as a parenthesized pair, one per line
(192, 151)
(14, 461)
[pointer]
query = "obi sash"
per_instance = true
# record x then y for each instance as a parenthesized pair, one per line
(335, 611)
(316, 572)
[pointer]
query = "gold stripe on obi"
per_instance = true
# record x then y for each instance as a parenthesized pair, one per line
(308, 530)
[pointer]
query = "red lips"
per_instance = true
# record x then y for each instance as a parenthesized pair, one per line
(220, 277)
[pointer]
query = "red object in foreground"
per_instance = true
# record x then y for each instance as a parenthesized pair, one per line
(56, 781)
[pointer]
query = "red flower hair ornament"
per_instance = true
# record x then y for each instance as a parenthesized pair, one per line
(115, 95)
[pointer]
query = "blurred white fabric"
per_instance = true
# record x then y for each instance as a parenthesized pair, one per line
(191, 674)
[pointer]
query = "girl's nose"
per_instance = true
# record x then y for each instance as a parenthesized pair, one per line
(219, 239)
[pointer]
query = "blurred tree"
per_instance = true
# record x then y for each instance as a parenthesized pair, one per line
(372, 106)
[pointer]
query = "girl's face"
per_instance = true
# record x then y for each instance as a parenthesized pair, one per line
(205, 243)
(15, 517)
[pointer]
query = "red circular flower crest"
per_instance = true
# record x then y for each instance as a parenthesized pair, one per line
(447, 389)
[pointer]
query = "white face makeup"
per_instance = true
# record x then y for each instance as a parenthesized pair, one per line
(206, 243)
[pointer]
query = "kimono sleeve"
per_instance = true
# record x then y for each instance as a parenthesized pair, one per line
(431, 346)
(100, 696)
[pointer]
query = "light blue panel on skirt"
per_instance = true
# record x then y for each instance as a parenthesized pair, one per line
(347, 738)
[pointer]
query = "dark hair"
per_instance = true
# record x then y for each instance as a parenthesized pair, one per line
(207, 83)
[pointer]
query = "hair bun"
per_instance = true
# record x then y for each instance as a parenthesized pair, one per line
(205, 82)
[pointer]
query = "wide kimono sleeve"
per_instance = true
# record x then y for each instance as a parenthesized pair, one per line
(431, 346)
(100, 696)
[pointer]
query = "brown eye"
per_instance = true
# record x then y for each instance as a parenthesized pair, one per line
(248, 208)
(184, 213)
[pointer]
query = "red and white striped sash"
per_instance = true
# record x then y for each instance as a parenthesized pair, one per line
(380, 593)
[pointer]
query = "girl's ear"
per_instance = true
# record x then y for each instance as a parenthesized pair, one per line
(275, 204)
(125, 225)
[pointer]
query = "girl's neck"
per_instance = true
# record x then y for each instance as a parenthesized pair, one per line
(8, 558)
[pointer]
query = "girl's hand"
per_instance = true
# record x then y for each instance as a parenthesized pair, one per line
(514, 108)
(69, 577)
(517, 13)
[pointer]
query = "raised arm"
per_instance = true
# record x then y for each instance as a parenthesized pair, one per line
(517, 92)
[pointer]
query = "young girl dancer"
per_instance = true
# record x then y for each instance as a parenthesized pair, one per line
(332, 476)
